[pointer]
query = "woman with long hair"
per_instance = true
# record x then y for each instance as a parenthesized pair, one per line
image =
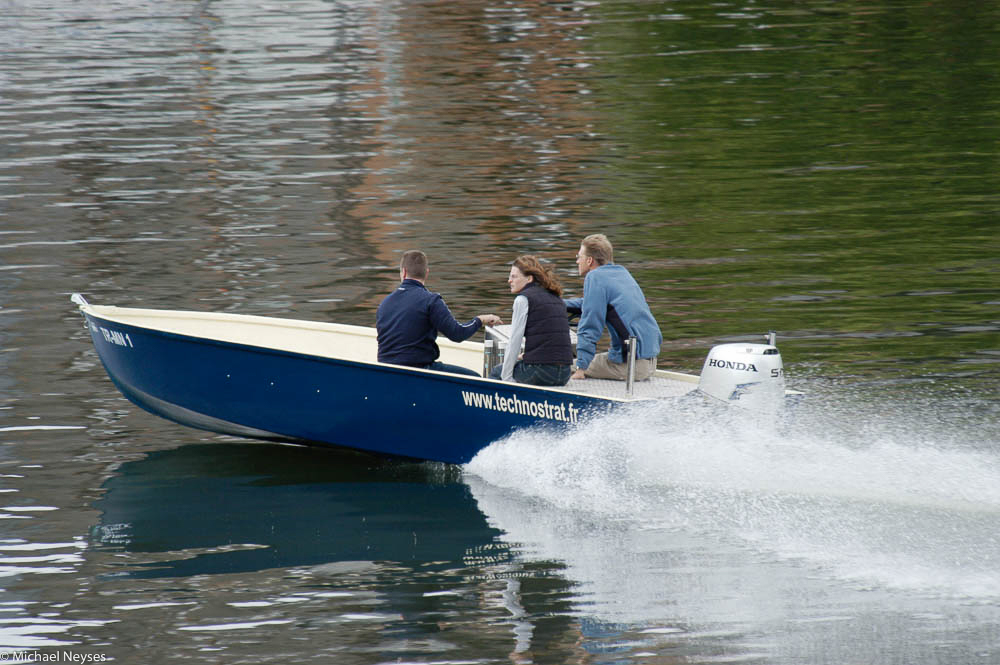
(539, 319)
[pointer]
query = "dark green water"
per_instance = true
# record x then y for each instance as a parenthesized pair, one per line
(827, 170)
(824, 169)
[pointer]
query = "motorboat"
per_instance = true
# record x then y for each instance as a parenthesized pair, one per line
(319, 383)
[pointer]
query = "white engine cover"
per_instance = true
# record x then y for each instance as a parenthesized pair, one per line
(745, 374)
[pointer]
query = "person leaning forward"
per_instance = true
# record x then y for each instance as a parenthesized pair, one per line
(611, 299)
(410, 318)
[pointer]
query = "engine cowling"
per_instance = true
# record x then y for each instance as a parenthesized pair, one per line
(745, 374)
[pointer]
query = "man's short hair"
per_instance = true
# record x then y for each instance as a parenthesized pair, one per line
(598, 247)
(414, 262)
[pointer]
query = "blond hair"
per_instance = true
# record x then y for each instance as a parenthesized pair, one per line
(598, 247)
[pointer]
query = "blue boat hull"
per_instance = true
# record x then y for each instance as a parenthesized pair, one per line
(276, 395)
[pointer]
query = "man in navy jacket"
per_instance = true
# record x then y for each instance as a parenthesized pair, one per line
(611, 299)
(410, 318)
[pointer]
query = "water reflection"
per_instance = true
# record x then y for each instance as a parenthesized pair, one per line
(247, 546)
(211, 509)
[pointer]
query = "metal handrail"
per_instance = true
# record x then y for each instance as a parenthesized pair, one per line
(631, 348)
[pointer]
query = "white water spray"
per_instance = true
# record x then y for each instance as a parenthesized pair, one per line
(881, 497)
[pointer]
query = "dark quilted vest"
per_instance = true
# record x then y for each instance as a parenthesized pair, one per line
(546, 332)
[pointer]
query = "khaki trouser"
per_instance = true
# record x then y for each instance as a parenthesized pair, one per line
(602, 368)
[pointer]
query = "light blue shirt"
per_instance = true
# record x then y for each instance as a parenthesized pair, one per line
(611, 284)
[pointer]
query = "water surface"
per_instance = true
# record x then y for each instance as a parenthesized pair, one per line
(827, 170)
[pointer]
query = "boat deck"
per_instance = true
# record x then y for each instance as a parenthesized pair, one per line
(356, 343)
(661, 386)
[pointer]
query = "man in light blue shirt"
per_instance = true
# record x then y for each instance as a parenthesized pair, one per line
(611, 299)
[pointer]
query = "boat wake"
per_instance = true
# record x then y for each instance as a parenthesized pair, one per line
(887, 497)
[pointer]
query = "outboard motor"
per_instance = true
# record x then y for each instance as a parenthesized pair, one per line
(745, 374)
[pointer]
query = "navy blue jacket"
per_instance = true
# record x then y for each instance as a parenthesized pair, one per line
(408, 322)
